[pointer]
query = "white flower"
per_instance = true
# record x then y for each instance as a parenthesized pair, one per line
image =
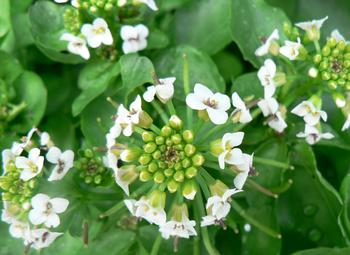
(41, 238)
(310, 113)
(6, 214)
(291, 49)
(268, 106)
(76, 45)
(7, 156)
(124, 176)
(312, 28)
(230, 154)
(266, 76)
(134, 38)
(216, 104)
(45, 140)
(19, 229)
(150, 3)
(61, 1)
(218, 207)
(313, 72)
(243, 171)
(313, 135)
(121, 3)
(17, 148)
(346, 124)
(97, 33)
(164, 91)
(135, 110)
(143, 209)
(338, 36)
(45, 210)
(277, 122)
(31, 166)
(264, 49)
(63, 161)
(241, 112)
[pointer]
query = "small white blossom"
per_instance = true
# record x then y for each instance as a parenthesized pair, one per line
(17, 148)
(164, 91)
(143, 209)
(45, 140)
(61, 1)
(124, 176)
(6, 214)
(150, 3)
(19, 229)
(134, 37)
(268, 106)
(230, 154)
(312, 28)
(313, 72)
(31, 166)
(264, 49)
(97, 33)
(338, 36)
(241, 112)
(243, 171)
(45, 210)
(291, 49)
(218, 207)
(266, 75)
(347, 123)
(7, 156)
(215, 105)
(41, 238)
(313, 135)
(309, 112)
(63, 161)
(277, 122)
(121, 3)
(76, 45)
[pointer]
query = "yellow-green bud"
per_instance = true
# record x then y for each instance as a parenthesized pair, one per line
(216, 148)
(317, 58)
(145, 159)
(198, 160)
(158, 177)
(157, 154)
(280, 78)
(166, 131)
(176, 139)
(148, 136)
(218, 188)
(153, 166)
(186, 163)
(160, 140)
(150, 147)
(145, 176)
(130, 154)
(191, 172)
(179, 176)
(339, 99)
(97, 179)
(172, 186)
(189, 189)
(203, 114)
(190, 149)
(188, 136)
(145, 120)
(175, 122)
(168, 172)
(157, 198)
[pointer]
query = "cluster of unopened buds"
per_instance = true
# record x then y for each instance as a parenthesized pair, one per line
(31, 214)
(85, 28)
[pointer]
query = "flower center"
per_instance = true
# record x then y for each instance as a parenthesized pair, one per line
(211, 103)
(337, 66)
(99, 30)
(32, 166)
(48, 208)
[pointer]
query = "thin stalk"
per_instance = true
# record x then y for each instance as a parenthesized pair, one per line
(254, 222)
(317, 46)
(260, 188)
(186, 81)
(203, 185)
(171, 107)
(15, 111)
(161, 112)
(155, 129)
(156, 245)
(271, 162)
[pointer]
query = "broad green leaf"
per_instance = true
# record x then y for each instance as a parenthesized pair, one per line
(10, 67)
(229, 65)
(94, 80)
(201, 69)
(46, 21)
(21, 29)
(204, 24)
(31, 90)
(157, 40)
(251, 21)
(5, 18)
(345, 194)
(248, 85)
(324, 251)
(311, 206)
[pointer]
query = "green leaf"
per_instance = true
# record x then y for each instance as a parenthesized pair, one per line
(229, 65)
(94, 80)
(311, 206)
(157, 40)
(324, 251)
(345, 213)
(5, 18)
(248, 85)
(30, 89)
(251, 21)
(10, 67)
(201, 69)
(204, 24)
(47, 26)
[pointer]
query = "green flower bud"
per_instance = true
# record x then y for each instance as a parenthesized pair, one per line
(326, 51)
(166, 131)
(339, 99)
(153, 166)
(88, 153)
(176, 139)
(157, 198)
(160, 140)
(172, 186)
(88, 179)
(218, 188)
(6, 196)
(280, 78)
(198, 160)
(324, 65)
(145, 120)
(188, 136)
(145, 159)
(191, 172)
(332, 42)
(130, 154)
(168, 142)
(157, 154)
(325, 76)
(190, 149)
(162, 165)
(189, 189)
(145, 176)
(335, 53)
(177, 166)
(216, 148)
(317, 58)
(97, 179)
(179, 176)
(148, 136)
(186, 163)
(332, 85)
(150, 147)
(175, 122)
(274, 48)
(168, 172)
(203, 114)
(158, 177)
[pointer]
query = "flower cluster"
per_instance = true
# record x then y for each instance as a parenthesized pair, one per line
(31, 214)
(92, 24)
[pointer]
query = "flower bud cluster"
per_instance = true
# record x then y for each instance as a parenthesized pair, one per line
(72, 20)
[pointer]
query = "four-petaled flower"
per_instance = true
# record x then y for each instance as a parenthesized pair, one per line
(312, 28)
(76, 45)
(215, 105)
(310, 113)
(264, 49)
(63, 161)
(268, 106)
(97, 33)
(241, 113)
(164, 90)
(150, 3)
(41, 238)
(30, 166)
(266, 75)
(243, 171)
(230, 154)
(291, 49)
(313, 135)
(45, 209)
(134, 37)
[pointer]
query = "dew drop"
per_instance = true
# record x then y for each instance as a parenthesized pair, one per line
(315, 234)
(247, 227)
(310, 210)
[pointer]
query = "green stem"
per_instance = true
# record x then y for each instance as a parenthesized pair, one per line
(317, 46)
(161, 112)
(16, 110)
(271, 162)
(203, 185)
(206, 175)
(171, 107)
(186, 81)
(156, 245)
(155, 129)
(254, 222)
(112, 210)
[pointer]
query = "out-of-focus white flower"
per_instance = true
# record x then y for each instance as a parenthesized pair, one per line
(313, 72)
(31, 166)
(277, 122)
(243, 171)
(41, 238)
(97, 33)
(312, 28)
(347, 123)
(291, 49)
(134, 37)
(124, 176)
(164, 90)
(76, 45)
(313, 135)
(17, 148)
(338, 36)
(268, 106)
(266, 75)
(241, 113)
(309, 112)
(230, 154)
(264, 49)
(150, 3)
(19, 229)
(63, 161)
(215, 105)
(45, 210)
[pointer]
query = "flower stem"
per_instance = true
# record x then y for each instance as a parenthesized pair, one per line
(155, 129)
(186, 81)
(254, 222)
(203, 186)
(161, 112)
(156, 245)
(15, 111)
(317, 46)
(260, 188)
(271, 162)
(171, 107)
